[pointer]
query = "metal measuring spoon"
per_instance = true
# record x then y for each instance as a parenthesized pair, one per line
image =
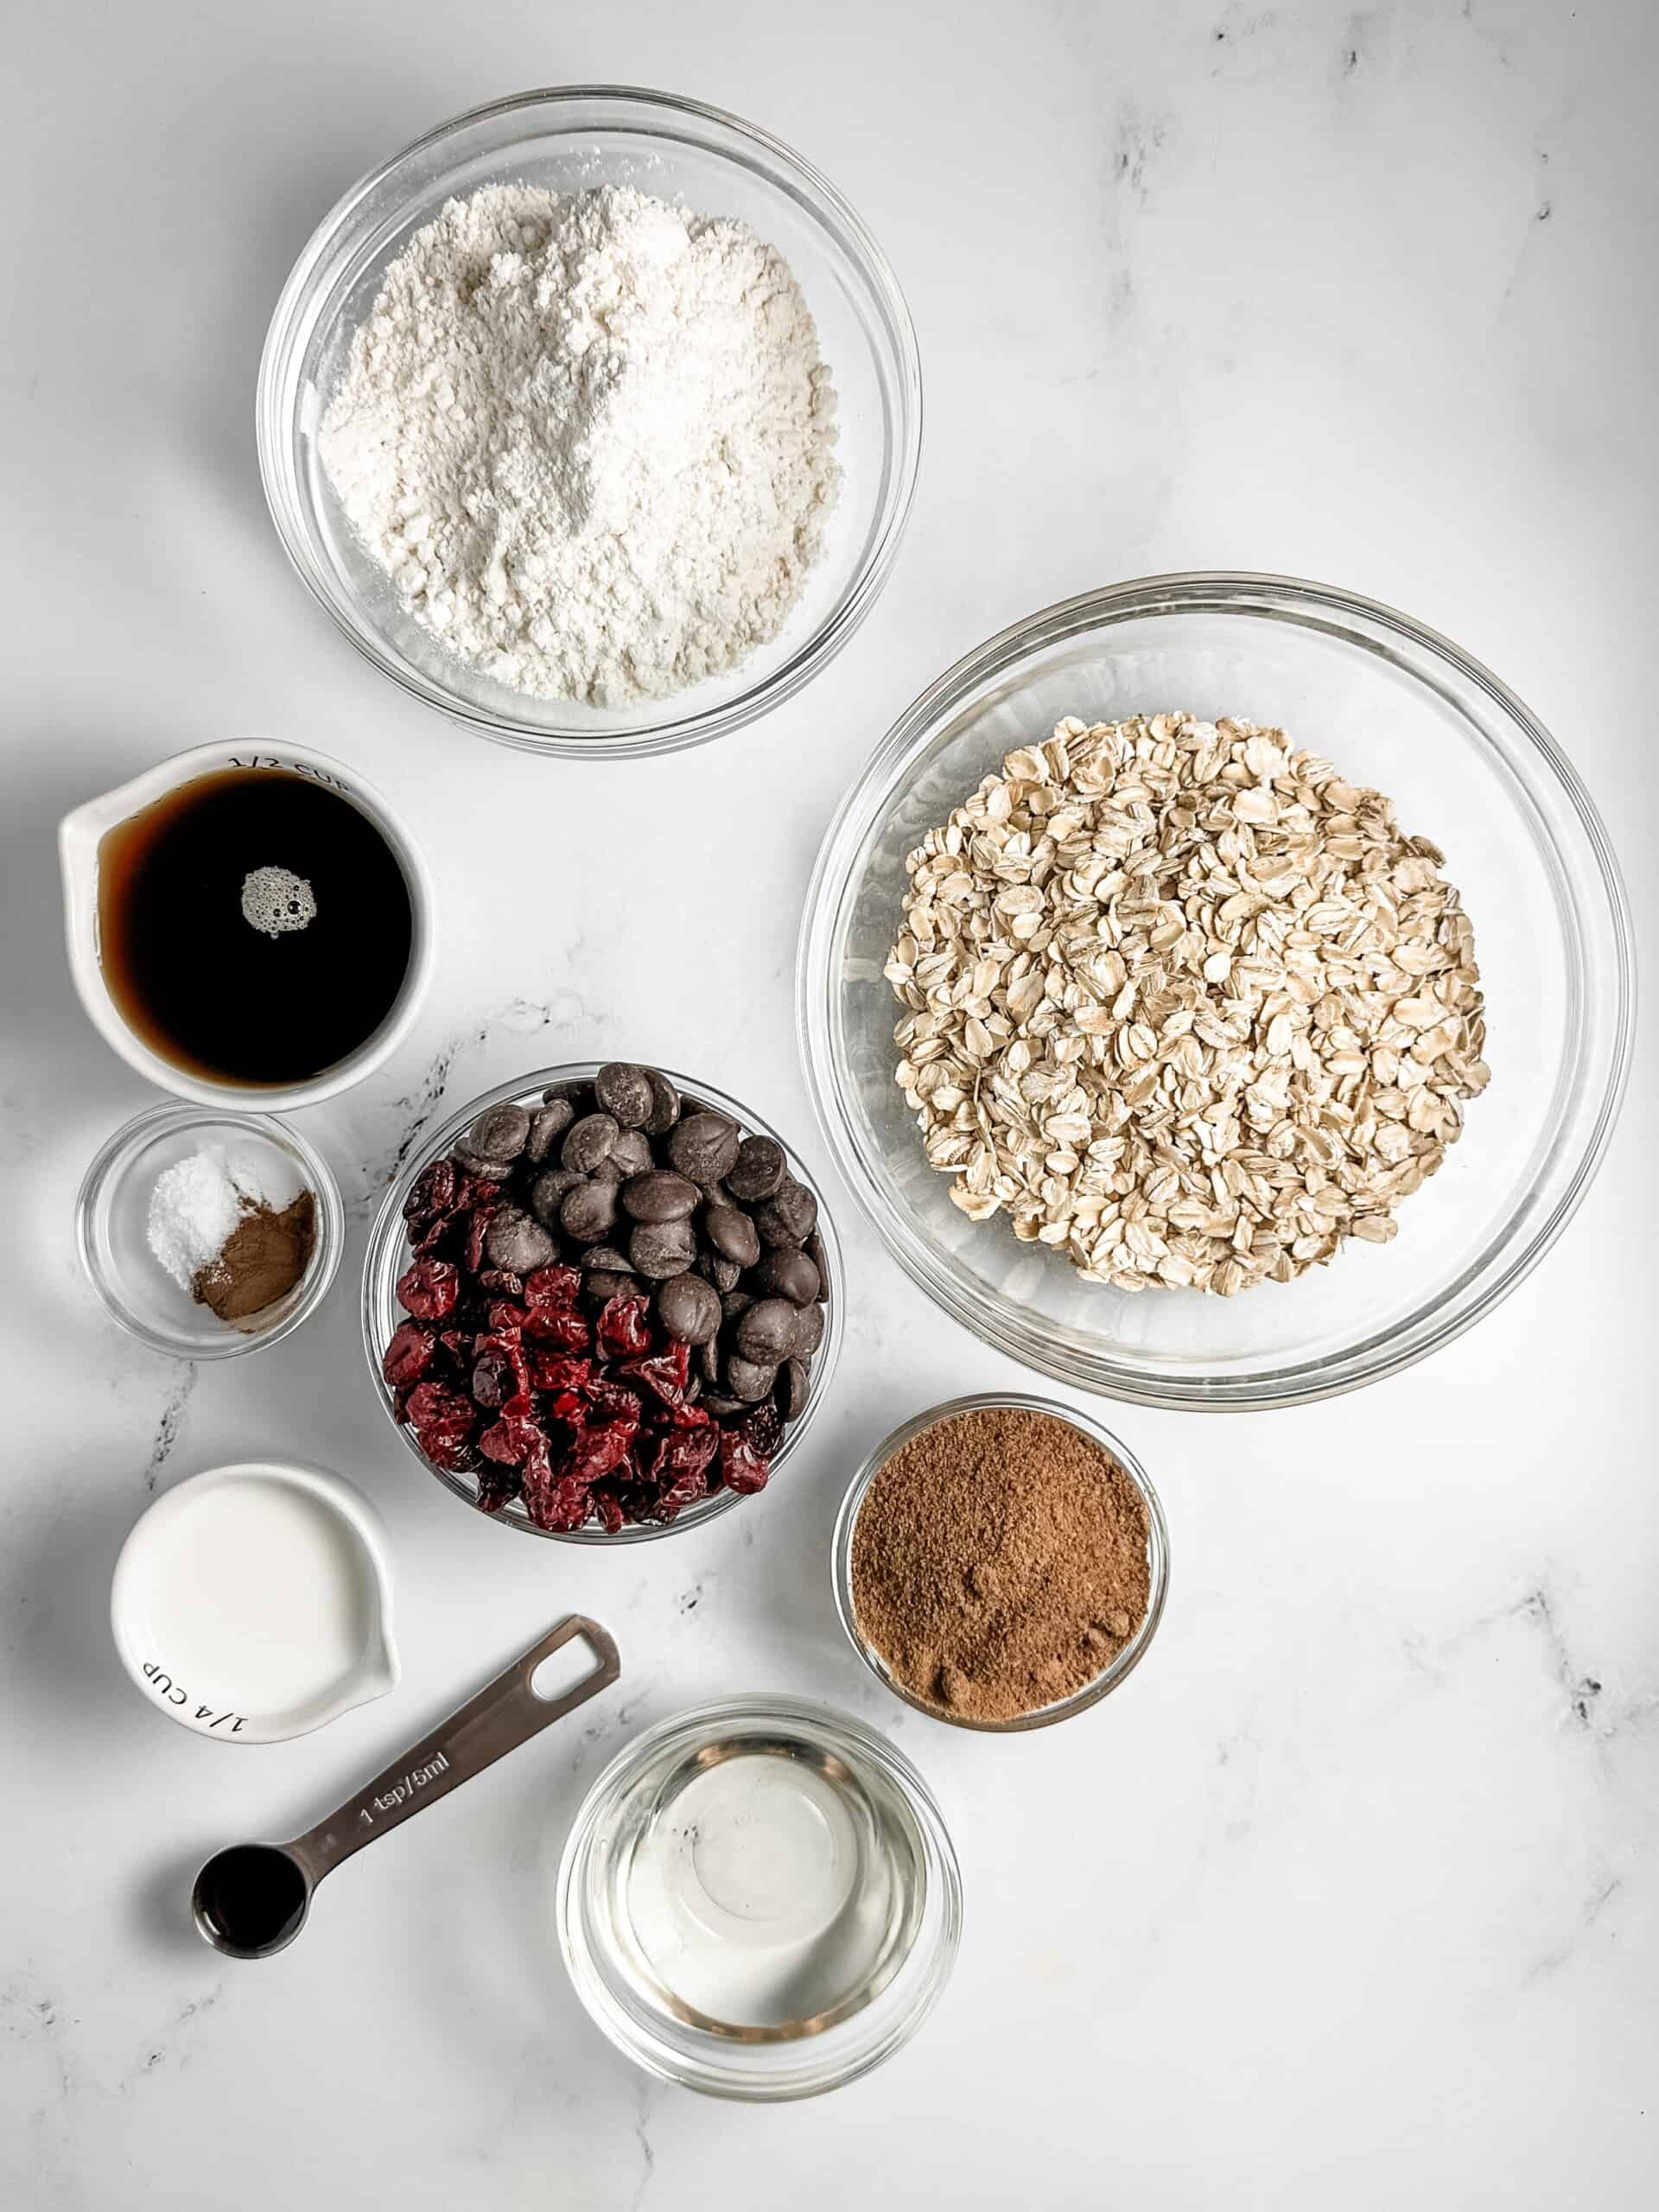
(251, 1898)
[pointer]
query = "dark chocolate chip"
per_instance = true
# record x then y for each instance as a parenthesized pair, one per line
(733, 1235)
(514, 1241)
(603, 1285)
(475, 1163)
(790, 1215)
(723, 1409)
(768, 1332)
(499, 1132)
(787, 1273)
(748, 1379)
(588, 1141)
(809, 1329)
(665, 1104)
(607, 1171)
(624, 1091)
(603, 1256)
(703, 1147)
(659, 1195)
(661, 1249)
(734, 1302)
(688, 1308)
(631, 1154)
(547, 1193)
(723, 1274)
(794, 1388)
(757, 1170)
(813, 1249)
(587, 1214)
(547, 1125)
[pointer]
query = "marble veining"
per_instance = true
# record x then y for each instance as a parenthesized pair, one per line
(1349, 1897)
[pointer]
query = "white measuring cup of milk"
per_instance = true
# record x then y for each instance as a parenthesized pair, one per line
(252, 1603)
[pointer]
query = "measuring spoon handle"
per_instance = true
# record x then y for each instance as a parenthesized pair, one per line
(504, 1714)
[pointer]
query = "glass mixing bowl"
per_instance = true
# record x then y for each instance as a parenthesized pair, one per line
(1125, 1662)
(388, 1256)
(892, 1864)
(570, 139)
(1392, 705)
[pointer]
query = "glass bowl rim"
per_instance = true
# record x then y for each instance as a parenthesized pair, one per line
(1296, 1380)
(177, 1116)
(818, 1717)
(1126, 1661)
(388, 1225)
(273, 426)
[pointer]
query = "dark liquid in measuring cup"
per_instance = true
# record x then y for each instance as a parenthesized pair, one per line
(253, 925)
(253, 1896)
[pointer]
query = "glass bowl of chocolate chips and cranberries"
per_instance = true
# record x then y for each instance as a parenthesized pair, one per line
(602, 1303)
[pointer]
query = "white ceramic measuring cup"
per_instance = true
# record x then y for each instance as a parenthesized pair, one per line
(169, 1569)
(79, 835)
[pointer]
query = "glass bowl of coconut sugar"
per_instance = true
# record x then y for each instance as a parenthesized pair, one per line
(592, 419)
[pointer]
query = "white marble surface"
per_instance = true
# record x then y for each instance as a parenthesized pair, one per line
(1351, 1897)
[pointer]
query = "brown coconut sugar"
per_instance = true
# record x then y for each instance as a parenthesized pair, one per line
(999, 1562)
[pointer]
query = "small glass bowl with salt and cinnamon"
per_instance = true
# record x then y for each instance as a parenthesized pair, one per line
(149, 1209)
(1001, 1562)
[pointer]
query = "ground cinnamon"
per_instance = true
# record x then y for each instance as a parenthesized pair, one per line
(261, 1260)
(999, 1562)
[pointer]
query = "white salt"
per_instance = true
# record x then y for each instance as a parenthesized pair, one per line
(198, 1201)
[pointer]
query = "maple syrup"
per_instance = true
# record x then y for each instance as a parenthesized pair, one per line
(254, 925)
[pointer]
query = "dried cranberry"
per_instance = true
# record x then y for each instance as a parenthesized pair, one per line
(458, 1342)
(665, 1376)
(428, 1289)
(559, 1370)
(558, 1505)
(433, 1192)
(596, 1450)
(610, 1401)
(674, 1500)
(554, 1286)
(458, 1455)
(559, 1325)
(437, 1409)
(688, 1415)
(624, 1328)
(478, 1222)
(516, 1440)
(433, 1237)
(762, 1430)
(741, 1469)
(500, 1350)
(408, 1354)
(608, 1507)
(497, 1487)
(680, 1452)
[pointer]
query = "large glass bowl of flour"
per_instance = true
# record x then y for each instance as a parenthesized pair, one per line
(574, 140)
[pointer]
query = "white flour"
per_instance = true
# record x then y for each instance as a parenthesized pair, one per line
(589, 436)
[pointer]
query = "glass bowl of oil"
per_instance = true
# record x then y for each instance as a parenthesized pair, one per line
(758, 1899)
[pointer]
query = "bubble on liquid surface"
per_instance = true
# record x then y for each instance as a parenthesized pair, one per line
(275, 901)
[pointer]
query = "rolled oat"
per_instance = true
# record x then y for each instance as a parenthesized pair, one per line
(1183, 1004)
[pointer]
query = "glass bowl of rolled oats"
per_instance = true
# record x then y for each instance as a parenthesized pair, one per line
(1218, 991)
